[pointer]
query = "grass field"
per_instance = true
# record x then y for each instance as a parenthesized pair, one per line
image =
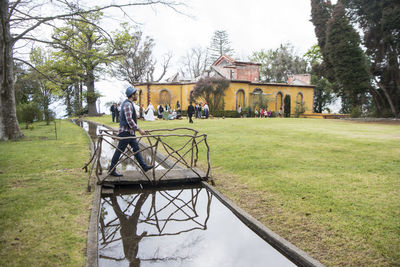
(44, 207)
(331, 187)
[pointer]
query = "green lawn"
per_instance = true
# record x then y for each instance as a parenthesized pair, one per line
(331, 187)
(44, 210)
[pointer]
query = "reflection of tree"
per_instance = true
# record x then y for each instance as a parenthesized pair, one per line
(164, 208)
(92, 131)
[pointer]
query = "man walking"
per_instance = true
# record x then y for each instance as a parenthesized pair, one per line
(112, 109)
(127, 127)
(190, 112)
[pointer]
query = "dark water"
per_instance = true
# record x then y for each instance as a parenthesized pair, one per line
(180, 226)
(177, 227)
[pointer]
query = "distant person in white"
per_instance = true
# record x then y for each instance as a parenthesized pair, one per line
(149, 113)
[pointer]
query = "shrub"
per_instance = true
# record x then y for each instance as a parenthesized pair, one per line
(82, 111)
(225, 113)
(355, 112)
(300, 109)
(28, 113)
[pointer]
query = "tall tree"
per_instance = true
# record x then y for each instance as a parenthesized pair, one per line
(20, 20)
(45, 77)
(349, 62)
(70, 78)
(321, 13)
(89, 46)
(220, 45)
(278, 64)
(379, 21)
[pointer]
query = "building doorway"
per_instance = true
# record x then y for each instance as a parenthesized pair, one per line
(240, 100)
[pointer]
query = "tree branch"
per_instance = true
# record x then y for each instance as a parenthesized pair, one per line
(38, 71)
(42, 20)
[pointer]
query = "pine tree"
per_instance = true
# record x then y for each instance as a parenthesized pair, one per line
(379, 20)
(321, 13)
(220, 45)
(349, 62)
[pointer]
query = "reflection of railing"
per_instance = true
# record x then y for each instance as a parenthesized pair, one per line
(153, 211)
(185, 156)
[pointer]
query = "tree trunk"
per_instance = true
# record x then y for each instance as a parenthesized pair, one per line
(77, 98)
(47, 115)
(389, 99)
(68, 100)
(9, 128)
(379, 102)
(91, 94)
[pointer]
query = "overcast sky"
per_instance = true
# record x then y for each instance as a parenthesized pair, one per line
(252, 25)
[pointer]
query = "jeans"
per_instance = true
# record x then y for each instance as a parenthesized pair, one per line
(122, 144)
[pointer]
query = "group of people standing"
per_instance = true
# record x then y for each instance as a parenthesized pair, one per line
(115, 111)
(198, 110)
(258, 113)
(263, 113)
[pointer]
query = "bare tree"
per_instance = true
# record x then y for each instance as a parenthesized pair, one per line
(164, 65)
(194, 62)
(21, 20)
(136, 63)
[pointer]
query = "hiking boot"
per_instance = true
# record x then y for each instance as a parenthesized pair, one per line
(147, 168)
(115, 173)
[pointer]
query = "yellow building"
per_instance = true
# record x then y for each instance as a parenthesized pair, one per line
(244, 90)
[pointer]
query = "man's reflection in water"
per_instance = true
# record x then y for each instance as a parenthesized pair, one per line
(127, 226)
(128, 230)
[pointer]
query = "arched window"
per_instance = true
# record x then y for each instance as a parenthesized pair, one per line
(191, 97)
(299, 98)
(257, 99)
(240, 99)
(165, 97)
(279, 101)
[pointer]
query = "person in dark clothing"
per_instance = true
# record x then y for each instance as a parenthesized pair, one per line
(160, 111)
(195, 110)
(112, 109)
(190, 112)
(117, 112)
(127, 127)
